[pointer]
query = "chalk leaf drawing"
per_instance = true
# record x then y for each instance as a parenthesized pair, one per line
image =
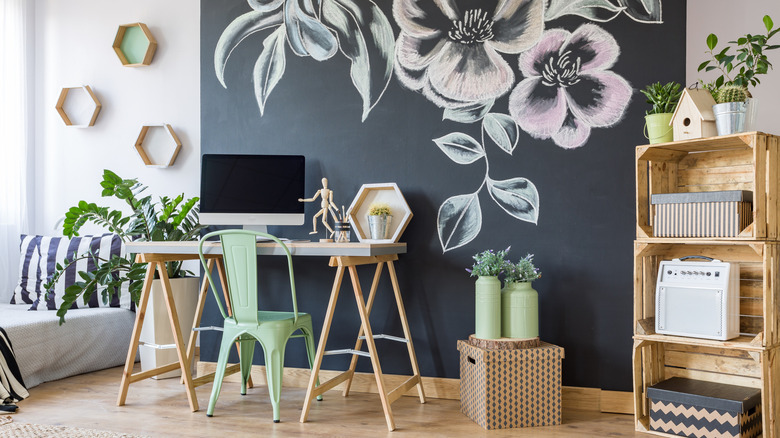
(644, 11)
(361, 27)
(460, 220)
(469, 113)
(450, 49)
(460, 217)
(517, 196)
(568, 88)
(502, 130)
(357, 28)
(461, 148)
(269, 67)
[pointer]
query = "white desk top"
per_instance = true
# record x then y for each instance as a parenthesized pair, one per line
(265, 248)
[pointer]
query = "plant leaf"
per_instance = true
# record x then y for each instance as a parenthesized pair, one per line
(306, 34)
(502, 130)
(517, 196)
(768, 23)
(236, 31)
(365, 36)
(459, 221)
(644, 11)
(460, 147)
(712, 41)
(269, 67)
(596, 10)
(469, 113)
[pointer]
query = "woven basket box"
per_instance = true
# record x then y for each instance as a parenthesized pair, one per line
(686, 407)
(502, 389)
(704, 214)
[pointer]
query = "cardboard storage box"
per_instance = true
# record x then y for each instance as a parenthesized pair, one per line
(704, 214)
(687, 407)
(511, 388)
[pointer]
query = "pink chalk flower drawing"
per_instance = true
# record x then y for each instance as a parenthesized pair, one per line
(450, 49)
(568, 88)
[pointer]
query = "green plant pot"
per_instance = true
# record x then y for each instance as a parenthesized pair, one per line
(519, 311)
(658, 129)
(488, 308)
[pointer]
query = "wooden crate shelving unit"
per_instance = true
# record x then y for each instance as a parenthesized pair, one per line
(747, 161)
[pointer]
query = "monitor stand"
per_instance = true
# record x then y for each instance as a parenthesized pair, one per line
(259, 229)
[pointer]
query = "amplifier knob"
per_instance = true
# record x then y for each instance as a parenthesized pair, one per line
(709, 274)
(668, 272)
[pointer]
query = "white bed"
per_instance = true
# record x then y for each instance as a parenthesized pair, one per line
(89, 340)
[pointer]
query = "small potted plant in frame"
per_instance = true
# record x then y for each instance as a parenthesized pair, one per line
(739, 69)
(663, 99)
(519, 301)
(488, 265)
(379, 219)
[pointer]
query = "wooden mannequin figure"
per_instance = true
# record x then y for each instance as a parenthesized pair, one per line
(325, 205)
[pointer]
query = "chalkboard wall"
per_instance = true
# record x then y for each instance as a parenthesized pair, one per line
(433, 115)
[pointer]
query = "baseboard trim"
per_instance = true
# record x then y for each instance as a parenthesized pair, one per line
(572, 397)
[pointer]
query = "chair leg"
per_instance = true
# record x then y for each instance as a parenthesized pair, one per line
(224, 351)
(247, 353)
(308, 333)
(274, 369)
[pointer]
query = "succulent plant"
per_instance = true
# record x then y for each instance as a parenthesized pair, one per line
(731, 93)
(663, 98)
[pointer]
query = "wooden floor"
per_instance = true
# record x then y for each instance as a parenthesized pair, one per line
(159, 408)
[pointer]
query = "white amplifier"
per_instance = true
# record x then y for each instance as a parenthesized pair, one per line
(697, 299)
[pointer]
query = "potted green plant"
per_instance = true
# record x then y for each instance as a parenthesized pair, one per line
(663, 100)
(740, 68)
(519, 300)
(379, 219)
(488, 265)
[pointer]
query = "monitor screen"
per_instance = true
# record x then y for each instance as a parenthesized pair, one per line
(251, 189)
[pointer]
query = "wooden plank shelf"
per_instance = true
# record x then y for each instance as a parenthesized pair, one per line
(742, 343)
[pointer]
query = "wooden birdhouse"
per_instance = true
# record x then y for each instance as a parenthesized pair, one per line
(693, 117)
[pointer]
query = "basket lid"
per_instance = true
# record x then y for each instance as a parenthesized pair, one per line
(687, 198)
(703, 394)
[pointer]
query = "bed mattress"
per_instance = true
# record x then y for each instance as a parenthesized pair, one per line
(89, 340)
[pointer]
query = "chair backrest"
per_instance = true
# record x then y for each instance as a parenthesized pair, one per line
(239, 252)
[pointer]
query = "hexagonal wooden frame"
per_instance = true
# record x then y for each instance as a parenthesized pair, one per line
(150, 48)
(388, 193)
(139, 145)
(60, 106)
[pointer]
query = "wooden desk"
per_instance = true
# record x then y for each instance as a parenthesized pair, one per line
(343, 256)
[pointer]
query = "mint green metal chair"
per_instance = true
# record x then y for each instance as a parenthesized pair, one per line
(249, 324)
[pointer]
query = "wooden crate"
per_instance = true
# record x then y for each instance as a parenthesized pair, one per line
(749, 360)
(745, 161)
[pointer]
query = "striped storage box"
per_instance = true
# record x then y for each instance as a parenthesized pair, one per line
(694, 408)
(705, 214)
(502, 389)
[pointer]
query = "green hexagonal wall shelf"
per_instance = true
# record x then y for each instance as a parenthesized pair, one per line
(134, 45)
(387, 193)
(78, 106)
(158, 145)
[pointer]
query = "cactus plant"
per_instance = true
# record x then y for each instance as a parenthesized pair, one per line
(731, 93)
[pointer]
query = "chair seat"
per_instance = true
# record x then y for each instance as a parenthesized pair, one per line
(271, 319)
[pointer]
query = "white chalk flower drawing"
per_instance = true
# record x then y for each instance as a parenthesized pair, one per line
(461, 55)
(319, 29)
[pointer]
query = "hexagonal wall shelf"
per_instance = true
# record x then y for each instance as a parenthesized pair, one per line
(387, 193)
(135, 45)
(158, 145)
(78, 106)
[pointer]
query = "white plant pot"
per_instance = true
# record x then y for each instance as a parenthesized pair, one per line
(157, 327)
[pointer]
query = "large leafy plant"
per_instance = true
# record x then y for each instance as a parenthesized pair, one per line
(169, 219)
(748, 60)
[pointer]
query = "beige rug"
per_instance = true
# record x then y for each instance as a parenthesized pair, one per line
(22, 430)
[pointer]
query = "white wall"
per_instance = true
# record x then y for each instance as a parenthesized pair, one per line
(729, 19)
(73, 48)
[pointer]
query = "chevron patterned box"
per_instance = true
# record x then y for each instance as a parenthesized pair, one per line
(695, 408)
(502, 389)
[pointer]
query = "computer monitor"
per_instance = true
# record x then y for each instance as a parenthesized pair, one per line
(251, 190)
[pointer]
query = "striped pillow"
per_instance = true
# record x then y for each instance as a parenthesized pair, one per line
(29, 279)
(55, 250)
